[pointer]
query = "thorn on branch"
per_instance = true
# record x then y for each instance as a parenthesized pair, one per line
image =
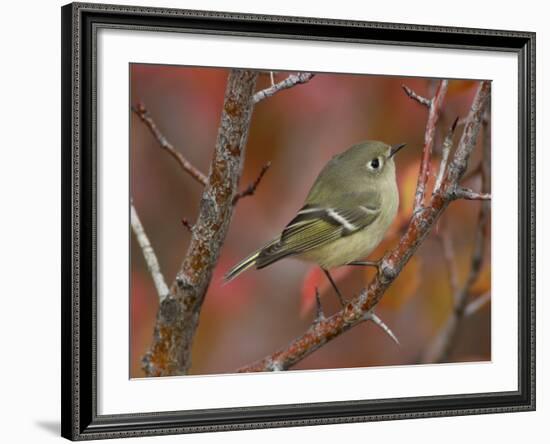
(185, 222)
(371, 316)
(453, 126)
(320, 315)
(445, 152)
(422, 100)
(289, 82)
(251, 189)
(187, 166)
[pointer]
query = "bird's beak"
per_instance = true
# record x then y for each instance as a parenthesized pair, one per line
(396, 148)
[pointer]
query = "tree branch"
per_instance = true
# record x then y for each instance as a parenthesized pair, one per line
(319, 312)
(178, 315)
(434, 110)
(324, 330)
(148, 254)
(187, 166)
(440, 349)
(466, 193)
(448, 255)
(422, 100)
(289, 82)
(251, 189)
(477, 303)
(445, 152)
(193, 171)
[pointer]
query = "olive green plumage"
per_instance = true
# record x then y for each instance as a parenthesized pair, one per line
(345, 215)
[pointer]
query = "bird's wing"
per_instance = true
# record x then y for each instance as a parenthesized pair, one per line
(314, 226)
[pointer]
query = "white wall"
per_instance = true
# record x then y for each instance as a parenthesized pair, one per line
(30, 226)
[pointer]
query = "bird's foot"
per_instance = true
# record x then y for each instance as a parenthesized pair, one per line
(340, 297)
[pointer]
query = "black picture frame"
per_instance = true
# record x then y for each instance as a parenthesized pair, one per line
(78, 334)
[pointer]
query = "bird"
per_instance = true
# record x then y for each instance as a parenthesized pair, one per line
(345, 215)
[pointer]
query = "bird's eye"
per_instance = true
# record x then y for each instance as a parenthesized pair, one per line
(375, 164)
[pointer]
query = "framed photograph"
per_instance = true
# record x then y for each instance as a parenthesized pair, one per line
(277, 221)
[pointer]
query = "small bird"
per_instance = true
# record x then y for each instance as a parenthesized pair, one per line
(345, 215)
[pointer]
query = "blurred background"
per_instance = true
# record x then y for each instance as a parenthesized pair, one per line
(298, 131)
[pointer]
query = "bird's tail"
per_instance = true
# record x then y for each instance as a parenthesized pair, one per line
(242, 266)
(249, 262)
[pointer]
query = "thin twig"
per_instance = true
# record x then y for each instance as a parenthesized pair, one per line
(434, 110)
(187, 166)
(145, 116)
(289, 82)
(319, 333)
(449, 255)
(477, 304)
(415, 96)
(466, 193)
(251, 189)
(148, 254)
